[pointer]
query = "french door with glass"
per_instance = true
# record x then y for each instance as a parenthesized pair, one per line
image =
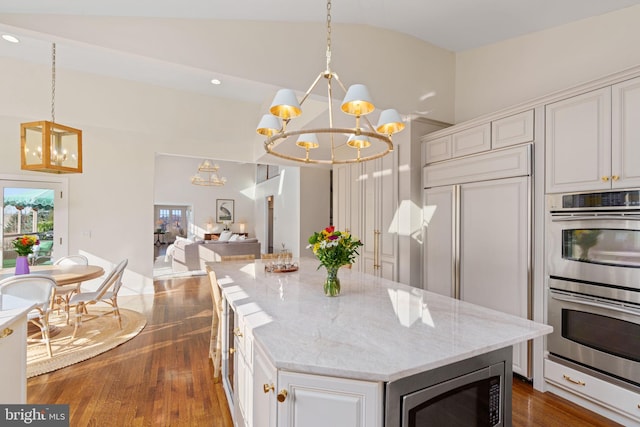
(33, 207)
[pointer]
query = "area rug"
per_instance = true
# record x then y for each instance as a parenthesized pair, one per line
(95, 336)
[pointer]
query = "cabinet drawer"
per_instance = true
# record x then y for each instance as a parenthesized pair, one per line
(593, 389)
(512, 130)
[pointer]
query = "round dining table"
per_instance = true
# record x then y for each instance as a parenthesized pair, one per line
(62, 274)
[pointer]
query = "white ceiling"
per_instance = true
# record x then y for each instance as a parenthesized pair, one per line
(455, 25)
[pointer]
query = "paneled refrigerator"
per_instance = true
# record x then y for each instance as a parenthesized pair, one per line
(477, 234)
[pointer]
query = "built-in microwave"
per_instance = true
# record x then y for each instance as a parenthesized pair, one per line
(471, 393)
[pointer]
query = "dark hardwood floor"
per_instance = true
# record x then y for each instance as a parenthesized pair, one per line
(163, 377)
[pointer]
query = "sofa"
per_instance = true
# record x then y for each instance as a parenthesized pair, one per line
(189, 256)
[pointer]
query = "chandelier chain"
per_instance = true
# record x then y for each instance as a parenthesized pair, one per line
(328, 36)
(53, 83)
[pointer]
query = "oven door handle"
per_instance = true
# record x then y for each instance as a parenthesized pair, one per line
(559, 218)
(578, 300)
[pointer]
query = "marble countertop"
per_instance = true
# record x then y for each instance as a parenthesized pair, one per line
(376, 329)
(11, 308)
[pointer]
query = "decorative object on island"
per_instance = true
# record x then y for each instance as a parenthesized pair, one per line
(334, 249)
(341, 144)
(24, 247)
(48, 146)
(211, 177)
(224, 211)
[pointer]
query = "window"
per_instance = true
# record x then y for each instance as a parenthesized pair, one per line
(265, 172)
(172, 220)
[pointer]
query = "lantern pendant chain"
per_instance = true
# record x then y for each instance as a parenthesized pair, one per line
(53, 83)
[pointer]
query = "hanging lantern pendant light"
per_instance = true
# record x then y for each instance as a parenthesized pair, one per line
(47, 146)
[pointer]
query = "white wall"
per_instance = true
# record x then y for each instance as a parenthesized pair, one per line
(301, 206)
(124, 125)
(285, 188)
(504, 74)
(314, 205)
(398, 69)
(172, 186)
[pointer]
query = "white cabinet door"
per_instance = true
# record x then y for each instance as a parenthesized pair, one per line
(494, 249)
(471, 141)
(13, 370)
(379, 203)
(625, 134)
(512, 130)
(243, 388)
(436, 150)
(578, 143)
(320, 401)
(264, 391)
(438, 220)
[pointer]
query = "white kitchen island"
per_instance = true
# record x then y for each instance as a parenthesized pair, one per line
(13, 349)
(301, 358)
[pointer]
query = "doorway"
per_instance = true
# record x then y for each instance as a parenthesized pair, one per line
(171, 221)
(269, 223)
(35, 208)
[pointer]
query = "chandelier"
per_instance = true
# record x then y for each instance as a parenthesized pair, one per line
(49, 146)
(209, 175)
(332, 144)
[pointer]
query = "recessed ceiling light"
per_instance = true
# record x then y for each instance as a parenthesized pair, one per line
(10, 38)
(215, 82)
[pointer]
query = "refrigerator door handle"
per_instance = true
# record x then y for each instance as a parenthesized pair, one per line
(456, 242)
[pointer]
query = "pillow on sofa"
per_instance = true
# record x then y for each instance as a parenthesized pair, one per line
(225, 236)
(233, 238)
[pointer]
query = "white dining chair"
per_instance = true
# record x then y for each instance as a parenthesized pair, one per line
(63, 293)
(107, 292)
(38, 289)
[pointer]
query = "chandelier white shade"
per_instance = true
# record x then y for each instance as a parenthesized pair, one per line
(208, 175)
(329, 143)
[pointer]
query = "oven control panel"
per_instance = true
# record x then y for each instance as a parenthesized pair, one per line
(494, 401)
(623, 199)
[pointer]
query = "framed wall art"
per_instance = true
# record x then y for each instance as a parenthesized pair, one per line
(224, 210)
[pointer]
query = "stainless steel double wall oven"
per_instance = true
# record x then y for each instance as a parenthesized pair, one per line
(593, 247)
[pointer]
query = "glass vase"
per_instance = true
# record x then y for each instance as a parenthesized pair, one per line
(332, 283)
(22, 265)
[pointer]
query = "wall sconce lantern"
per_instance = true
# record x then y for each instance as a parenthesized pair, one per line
(49, 146)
